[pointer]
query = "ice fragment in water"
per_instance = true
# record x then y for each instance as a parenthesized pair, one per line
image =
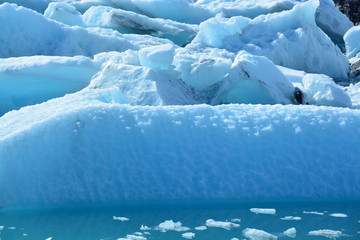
(255, 234)
(291, 232)
(326, 233)
(122, 219)
(188, 235)
(225, 225)
(263, 210)
(339, 215)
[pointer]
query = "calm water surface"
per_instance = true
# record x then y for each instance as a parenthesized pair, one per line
(98, 223)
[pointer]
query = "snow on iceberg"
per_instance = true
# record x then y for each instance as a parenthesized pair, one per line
(26, 33)
(202, 69)
(130, 22)
(37, 5)
(122, 21)
(178, 10)
(212, 153)
(157, 57)
(65, 13)
(333, 22)
(282, 37)
(246, 84)
(31, 80)
(246, 8)
(321, 90)
(140, 85)
(352, 42)
(181, 76)
(328, 17)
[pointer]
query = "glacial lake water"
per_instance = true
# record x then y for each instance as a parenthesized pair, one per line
(112, 223)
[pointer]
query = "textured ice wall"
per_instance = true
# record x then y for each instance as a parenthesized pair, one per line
(89, 152)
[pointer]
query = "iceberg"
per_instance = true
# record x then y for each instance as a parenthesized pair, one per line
(122, 21)
(27, 33)
(321, 90)
(65, 13)
(282, 37)
(246, 8)
(352, 44)
(102, 103)
(213, 153)
(178, 10)
(334, 23)
(31, 80)
(130, 22)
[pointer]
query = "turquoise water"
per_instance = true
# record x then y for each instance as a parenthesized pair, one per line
(98, 223)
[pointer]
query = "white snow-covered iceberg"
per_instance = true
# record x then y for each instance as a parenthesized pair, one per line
(321, 90)
(334, 23)
(83, 149)
(246, 8)
(26, 33)
(352, 42)
(165, 75)
(122, 21)
(64, 12)
(126, 121)
(289, 38)
(177, 10)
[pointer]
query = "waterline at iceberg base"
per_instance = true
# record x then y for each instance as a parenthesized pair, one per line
(59, 154)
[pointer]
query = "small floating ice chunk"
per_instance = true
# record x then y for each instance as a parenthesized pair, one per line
(201, 228)
(144, 228)
(255, 234)
(122, 219)
(225, 225)
(188, 235)
(171, 225)
(50, 238)
(291, 218)
(11, 228)
(326, 233)
(1, 228)
(339, 215)
(263, 210)
(236, 220)
(314, 213)
(138, 233)
(132, 237)
(291, 232)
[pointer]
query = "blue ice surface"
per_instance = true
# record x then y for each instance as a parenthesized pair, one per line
(98, 223)
(71, 153)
